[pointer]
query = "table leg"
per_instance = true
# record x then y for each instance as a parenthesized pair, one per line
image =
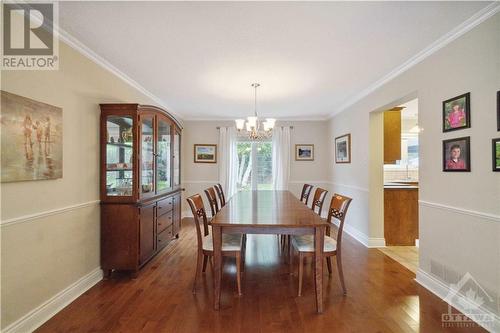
(217, 243)
(319, 238)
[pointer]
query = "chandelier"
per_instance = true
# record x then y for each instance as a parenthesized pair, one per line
(253, 128)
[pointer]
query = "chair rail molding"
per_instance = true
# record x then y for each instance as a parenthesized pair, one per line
(463, 211)
(354, 187)
(56, 211)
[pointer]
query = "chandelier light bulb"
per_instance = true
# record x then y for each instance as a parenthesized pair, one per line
(240, 124)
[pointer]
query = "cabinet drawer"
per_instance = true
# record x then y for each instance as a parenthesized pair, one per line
(164, 206)
(164, 237)
(164, 221)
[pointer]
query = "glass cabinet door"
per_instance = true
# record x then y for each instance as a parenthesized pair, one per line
(119, 156)
(163, 168)
(177, 158)
(147, 155)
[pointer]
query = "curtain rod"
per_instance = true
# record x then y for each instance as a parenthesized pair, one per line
(291, 127)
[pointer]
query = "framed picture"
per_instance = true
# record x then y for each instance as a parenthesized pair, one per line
(498, 110)
(343, 149)
(304, 152)
(495, 144)
(205, 153)
(456, 155)
(456, 113)
(32, 139)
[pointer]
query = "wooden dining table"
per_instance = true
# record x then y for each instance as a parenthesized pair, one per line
(268, 212)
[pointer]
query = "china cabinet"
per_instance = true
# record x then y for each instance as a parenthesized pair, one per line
(140, 184)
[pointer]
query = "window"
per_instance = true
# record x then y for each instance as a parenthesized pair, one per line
(254, 166)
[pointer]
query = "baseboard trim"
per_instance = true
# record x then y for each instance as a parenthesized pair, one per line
(31, 217)
(441, 290)
(369, 242)
(36, 317)
(376, 242)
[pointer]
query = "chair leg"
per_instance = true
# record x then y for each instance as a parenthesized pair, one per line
(198, 267)
(301, 271)
(290, 259)
(205, 259)
(341, 273)
(288, 243)
(243, 252)
(329, 265)
(238, 273)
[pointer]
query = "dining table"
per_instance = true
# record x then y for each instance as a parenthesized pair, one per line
(268, 212)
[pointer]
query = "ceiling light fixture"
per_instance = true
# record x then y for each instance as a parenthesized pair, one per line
(253, 128)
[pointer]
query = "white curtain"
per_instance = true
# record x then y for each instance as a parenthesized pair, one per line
(281, 158)
(228, 160)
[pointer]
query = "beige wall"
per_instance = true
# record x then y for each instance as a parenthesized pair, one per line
(452, 241)
(42, 256)
(198, 176)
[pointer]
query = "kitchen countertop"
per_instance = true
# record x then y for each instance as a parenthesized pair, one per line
(400, 186)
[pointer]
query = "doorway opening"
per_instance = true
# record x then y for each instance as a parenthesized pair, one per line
(394, 181)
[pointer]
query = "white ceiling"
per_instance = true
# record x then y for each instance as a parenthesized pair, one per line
(199, 58)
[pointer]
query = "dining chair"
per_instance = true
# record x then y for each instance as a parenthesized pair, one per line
(212, 200)
(304, 245)
(306, 191)
(220, 194)
(304, 197)
(318, 200)
(231, 244)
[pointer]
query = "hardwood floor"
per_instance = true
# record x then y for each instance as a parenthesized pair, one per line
(405, 255)
(382, 296)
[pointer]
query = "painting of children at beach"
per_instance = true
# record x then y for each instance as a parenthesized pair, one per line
(456, 113)
(31, 139)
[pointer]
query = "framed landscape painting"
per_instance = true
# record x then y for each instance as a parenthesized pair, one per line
(496, 154)
(205, 153)
(456, 155)
(343, 149)
(456, 113)
(32, 139)
(304, 152)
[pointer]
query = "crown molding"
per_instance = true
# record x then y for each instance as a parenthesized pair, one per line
(313, 118)
(444, 40)
(78, 46)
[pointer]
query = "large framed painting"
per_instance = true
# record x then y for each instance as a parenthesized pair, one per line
(205, 153)
(456, 155)
(304, 152)
(343, 149)
(456, 113)
(495, 143)
(32, 139)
